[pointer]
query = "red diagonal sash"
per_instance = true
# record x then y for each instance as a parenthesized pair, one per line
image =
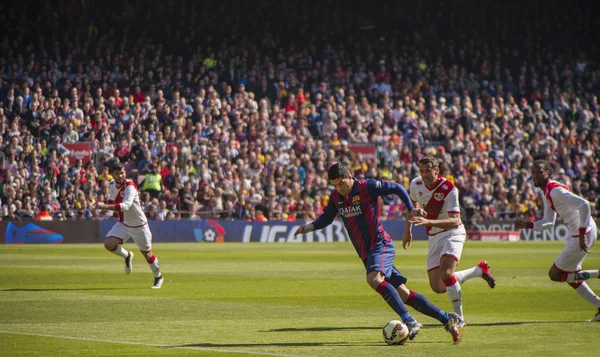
(436, 203)
(549, 187)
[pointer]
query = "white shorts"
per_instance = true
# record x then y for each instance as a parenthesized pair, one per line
(448, 244)
(140, 235)
(571, 257)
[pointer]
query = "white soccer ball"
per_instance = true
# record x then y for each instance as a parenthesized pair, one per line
(395, 332)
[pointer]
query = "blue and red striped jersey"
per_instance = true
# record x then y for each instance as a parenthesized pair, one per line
(360, 213)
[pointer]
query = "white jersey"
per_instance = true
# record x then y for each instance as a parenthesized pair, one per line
(438, 201)
(126, 198)
(574, 210)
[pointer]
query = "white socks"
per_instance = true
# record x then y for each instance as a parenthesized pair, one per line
(582, 275)
(464, 275)
(585, 292)
(120, 251)
(454, 294)
(153, 264)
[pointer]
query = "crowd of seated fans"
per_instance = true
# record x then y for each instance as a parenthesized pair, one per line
(234, 110)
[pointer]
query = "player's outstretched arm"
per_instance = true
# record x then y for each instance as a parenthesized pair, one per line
(383, 188)
(453, 221)
(130, 193)
(546, 222)
(305, 229)
(321, 222)
(407, 237)
(123, 206)
(107, 206)
(519, 224)
(104, 206)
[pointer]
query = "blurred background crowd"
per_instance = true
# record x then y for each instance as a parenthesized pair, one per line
(235, 109)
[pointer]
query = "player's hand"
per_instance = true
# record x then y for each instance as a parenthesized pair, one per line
(304, 229)
(406, 240)
(417, 212)
(583, 244)
(100, 205)
(419, 221)
(520, 224)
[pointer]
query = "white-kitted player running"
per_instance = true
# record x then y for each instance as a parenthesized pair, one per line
(124, 199)
(575, 212)
(447, 235)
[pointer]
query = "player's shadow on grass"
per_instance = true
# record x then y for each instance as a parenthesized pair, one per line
(324, 329)
(524, 323)
(338, 328)
(278, 344)
(346, 328)
(66, 289)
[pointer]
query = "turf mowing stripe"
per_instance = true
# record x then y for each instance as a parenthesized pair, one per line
(211, 349)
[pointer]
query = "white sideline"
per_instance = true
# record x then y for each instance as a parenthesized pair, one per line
(212, 349)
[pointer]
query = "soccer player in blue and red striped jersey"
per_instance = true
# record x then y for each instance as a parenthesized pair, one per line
(355, 201)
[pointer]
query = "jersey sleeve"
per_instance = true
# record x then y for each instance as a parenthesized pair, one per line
(130, 193)
(327, 216)
(378, 188)
(548, 220)
(451, 202)
(412, 191)
(571, 200)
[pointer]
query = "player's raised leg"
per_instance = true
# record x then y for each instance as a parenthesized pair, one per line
(582, 275)
(578, 256)
(584, 290)
(581, 287)
(114, 245)
(567, 268)
(481, 270)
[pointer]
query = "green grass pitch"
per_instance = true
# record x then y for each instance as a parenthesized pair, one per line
(277, 300)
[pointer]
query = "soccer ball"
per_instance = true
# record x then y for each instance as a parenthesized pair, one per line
(395, 332)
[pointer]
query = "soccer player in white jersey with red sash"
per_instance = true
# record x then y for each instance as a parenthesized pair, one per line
(575, 212)
(447, 235)
(124, 199)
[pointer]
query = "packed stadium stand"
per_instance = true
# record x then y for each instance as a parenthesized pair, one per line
(235, 109)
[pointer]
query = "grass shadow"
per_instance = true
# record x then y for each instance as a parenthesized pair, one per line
(522, 323)
(349, 328)
(66, 289)
(279, 344)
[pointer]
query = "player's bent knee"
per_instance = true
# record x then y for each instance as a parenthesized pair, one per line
(374, 279)
(373, 283)
(438, 288)
(111, 243)
(146, 253)
(404, 292)
(556, 275)
(446, 274)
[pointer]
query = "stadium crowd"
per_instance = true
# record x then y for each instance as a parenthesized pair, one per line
(219, 114)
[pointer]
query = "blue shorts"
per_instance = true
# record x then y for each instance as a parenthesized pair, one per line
(382, 259)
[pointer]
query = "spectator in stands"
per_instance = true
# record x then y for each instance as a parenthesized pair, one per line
(219, 112)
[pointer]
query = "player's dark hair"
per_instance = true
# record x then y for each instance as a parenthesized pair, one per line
(337, 171)
(117, 166)
(111, 162)
(430, 160)
(544, 166)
